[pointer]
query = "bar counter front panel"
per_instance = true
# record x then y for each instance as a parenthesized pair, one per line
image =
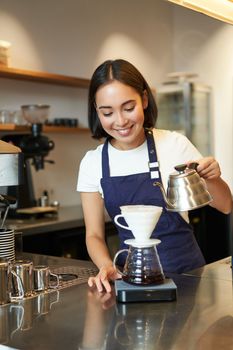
(60, 235)
(77, 317)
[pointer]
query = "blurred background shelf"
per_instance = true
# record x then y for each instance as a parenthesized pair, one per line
(43, 77)
(46, 128)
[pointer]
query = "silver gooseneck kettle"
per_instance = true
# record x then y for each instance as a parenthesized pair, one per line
(186, 189)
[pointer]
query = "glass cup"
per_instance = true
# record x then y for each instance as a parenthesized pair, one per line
(5, 116)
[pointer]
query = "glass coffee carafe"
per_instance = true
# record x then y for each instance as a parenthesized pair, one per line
(142, 265)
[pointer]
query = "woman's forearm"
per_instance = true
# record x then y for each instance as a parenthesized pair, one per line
(98, 251)
(210, 171)
(220, 192)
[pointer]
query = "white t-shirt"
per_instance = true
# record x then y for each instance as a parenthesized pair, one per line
(172, 149)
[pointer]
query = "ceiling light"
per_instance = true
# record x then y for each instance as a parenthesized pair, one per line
(219, 9)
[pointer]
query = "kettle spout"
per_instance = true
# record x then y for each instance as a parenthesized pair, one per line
(169, 204)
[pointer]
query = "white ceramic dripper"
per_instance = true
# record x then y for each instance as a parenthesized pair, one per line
(141, 220)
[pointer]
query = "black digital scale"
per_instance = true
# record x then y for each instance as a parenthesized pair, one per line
(126, 293)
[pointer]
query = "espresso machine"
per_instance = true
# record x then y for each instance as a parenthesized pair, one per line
(11, 174)
(35, 148)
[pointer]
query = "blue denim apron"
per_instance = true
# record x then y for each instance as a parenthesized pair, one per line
(178, 250)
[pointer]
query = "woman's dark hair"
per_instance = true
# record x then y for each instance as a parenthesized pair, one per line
(126, 73)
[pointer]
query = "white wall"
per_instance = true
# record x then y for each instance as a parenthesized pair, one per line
(205, 46)
(73, 39)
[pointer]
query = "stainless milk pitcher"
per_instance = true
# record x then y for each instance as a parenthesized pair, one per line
(24, 269)
(6, 273)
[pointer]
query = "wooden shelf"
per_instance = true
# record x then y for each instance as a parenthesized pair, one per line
(43, 77)
(46, 129)
(63, 129)
(47, 78)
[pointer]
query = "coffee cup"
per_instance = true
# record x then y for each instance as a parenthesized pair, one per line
(41, 276)
(140, 219)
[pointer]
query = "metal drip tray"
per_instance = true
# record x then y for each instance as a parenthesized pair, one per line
(73, 275)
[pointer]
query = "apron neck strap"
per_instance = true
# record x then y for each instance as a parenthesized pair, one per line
(153, 162)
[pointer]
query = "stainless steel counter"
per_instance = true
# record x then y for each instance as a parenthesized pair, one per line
(221, 270)
(78, 318)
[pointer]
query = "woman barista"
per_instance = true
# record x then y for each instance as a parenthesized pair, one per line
(122, 110)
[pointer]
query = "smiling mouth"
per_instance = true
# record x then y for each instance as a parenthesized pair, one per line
(125, 131)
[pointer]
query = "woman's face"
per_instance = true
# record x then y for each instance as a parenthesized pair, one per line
(121, 112)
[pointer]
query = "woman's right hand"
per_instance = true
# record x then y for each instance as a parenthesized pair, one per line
(102, 280)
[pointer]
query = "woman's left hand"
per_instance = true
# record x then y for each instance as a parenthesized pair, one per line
(208, 168)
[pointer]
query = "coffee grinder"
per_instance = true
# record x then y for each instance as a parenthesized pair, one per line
(35, 148)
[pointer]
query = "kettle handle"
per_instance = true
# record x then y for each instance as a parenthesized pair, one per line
(115, 258)
(193, 165)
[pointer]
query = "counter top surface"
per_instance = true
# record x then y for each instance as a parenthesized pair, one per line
(66, 218)
(79, 318)
(221, 270)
